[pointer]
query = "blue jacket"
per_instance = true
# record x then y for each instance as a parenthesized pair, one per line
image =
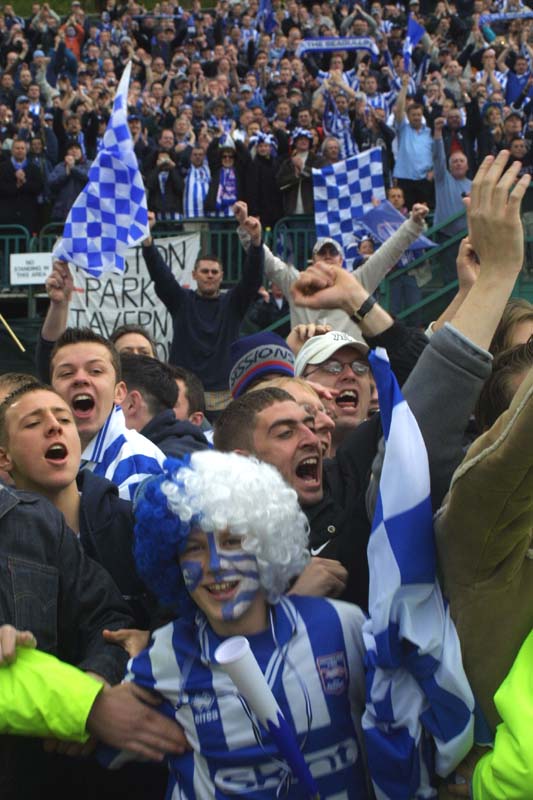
(175, 437)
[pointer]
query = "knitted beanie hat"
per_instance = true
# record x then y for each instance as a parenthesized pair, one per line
(256, 356)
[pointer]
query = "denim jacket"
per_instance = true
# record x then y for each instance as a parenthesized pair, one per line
(50, 586)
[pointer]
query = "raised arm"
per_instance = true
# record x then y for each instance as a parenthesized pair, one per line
(439, 155)
(371, 273)
(252, 275)
(496, 234)
(166, 286)
(59, 287)
(467, 274)
(325, 286)
(274, 268)
(399, 109)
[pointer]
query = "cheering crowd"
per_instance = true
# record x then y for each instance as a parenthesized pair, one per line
(231, 104)
(374, 547)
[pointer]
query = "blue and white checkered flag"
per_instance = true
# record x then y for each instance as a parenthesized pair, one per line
(110, 214)
(343, 192)
(419, 713)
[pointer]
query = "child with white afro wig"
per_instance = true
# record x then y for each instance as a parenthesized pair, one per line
(219, 536)
(215, 492)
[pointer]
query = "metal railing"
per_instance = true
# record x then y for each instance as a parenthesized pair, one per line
(292, 239)
(13, 239)
(47, 236)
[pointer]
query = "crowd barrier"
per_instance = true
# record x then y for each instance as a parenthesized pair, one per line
(292, 239)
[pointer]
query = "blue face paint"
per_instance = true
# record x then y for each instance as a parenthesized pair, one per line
(192, 574)
(214, 558)
(213, 562)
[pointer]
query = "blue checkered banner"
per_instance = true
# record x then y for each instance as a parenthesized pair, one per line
(110, 214)
(343, 193)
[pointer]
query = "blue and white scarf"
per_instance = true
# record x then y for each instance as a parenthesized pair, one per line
(122, 455)
(227, 189)
(350, 43)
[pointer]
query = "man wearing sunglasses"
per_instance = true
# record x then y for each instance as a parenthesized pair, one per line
(339, 362)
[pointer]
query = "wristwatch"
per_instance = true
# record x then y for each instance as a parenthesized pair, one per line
(358, 315)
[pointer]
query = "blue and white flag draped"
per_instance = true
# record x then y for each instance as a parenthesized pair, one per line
(343, 192)
(415, 31)
(110, 214)
(419, 713)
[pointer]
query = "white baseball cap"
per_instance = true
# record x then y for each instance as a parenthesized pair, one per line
(318, 349)
(320, 243)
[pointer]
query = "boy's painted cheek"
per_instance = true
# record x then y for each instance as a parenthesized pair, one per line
(192, 574)
(242, 601)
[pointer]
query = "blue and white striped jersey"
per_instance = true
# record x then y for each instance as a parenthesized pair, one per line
(248, 34)
(312, 658)
(340, 126)
(384, 100)
(195, 192)
(385, 26)
(226, 123)
(501, 77)
(121, 455)
(348, 76)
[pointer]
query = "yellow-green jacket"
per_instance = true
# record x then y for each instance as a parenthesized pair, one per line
(506, 773)
(42, 696)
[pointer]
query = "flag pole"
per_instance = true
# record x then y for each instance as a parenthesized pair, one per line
(12, 334)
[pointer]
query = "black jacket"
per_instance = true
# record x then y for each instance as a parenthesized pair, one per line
(262, 314)
(264, 197)
(340, 521)
(106, 534)
(242, 162)
(175, 437)
(20, 205)
(290, 183)
(169, 201)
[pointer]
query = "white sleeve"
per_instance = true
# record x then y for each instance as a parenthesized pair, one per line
(371, 273)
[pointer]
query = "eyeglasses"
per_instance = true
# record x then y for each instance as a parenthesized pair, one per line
(336, 368)
(228, 155)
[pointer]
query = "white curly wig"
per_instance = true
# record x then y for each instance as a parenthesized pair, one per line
(218, 491)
